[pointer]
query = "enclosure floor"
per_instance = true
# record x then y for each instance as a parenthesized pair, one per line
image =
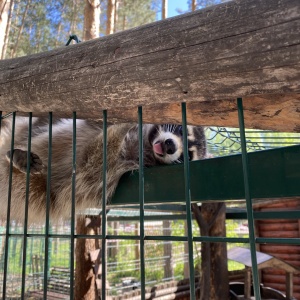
(50, 296)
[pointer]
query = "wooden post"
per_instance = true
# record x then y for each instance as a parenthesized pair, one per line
(186, 272)
(114, 244)
(137, 246)
(289, 285)
(247, 288)
(169, 272)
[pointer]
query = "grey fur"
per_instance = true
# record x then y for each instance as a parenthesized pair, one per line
(122, 152)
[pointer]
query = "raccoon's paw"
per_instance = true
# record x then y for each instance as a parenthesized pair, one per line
(20, 161)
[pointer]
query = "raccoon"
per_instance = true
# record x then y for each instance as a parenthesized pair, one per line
(162, 145)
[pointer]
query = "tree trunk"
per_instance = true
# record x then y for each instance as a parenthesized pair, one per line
(116, 15)
(14, 50)
(85, 281)
(124, 16)
(85, 285)
(194, 5)
(164, 10)
(110, 23)
(74, 18)
(5, 29)
(91, 19)
(60, 25)
(214, 271)
(4, 11)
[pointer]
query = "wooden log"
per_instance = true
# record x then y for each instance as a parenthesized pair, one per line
(274, 221)
(207, 58)
(266, 204)
(285, 257)
(282, 288)
(282, 234)
(291, 226)
(279, 279)
(288, 204)
(286, 249)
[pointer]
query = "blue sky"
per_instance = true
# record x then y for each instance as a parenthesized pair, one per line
(173, 4)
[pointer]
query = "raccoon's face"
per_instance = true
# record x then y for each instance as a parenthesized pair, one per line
(167, 143)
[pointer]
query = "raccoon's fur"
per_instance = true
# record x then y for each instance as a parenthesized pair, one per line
(162, 145)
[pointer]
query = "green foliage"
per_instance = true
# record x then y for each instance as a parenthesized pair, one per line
(223, 141)
(205, 3)
(45, 25)
(134, 13)
(42, 25)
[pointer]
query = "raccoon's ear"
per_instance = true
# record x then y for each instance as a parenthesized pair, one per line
(199, 132)
(199, 135)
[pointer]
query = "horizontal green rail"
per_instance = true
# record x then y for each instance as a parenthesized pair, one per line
(274, 174)
(230, 215)
(260, 240)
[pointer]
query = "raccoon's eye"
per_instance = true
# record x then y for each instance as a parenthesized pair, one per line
(153, 133)
(190, 155)
(179, 129)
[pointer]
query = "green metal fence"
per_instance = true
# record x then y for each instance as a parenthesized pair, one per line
(245, 169)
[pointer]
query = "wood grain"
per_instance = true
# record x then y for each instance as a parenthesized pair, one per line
(207, 58)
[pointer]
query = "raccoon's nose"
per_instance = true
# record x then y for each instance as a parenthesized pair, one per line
(170, 147)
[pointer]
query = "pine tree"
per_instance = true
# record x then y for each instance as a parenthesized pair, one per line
(132, 13)
(164, 9)
(193, 4)
(6, 8)
(91, 19)
(111, 13)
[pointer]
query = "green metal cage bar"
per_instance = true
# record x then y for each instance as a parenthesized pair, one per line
(26, 207)
(141, 201)
(47, 222)
(73, 207)
(187, 189)
(103, 253)
(7, 236)
(248, 200)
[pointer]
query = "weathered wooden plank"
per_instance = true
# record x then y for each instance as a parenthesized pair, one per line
(239, 48)
(274, 112)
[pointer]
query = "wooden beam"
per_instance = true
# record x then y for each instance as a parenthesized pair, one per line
(206, 58)
(272, 112)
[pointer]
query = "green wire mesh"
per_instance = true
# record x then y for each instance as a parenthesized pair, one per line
(225, 141)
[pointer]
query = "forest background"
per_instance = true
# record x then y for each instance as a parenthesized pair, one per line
(32, 26)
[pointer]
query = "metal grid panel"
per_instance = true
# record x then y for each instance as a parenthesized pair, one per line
(141, 237)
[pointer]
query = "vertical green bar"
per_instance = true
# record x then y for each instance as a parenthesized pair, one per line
(72, 245)
(5, 267)
(248, 200)
(47, 224)
(188, 201)
(103, 253)
(26, 207)
(141, 200)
